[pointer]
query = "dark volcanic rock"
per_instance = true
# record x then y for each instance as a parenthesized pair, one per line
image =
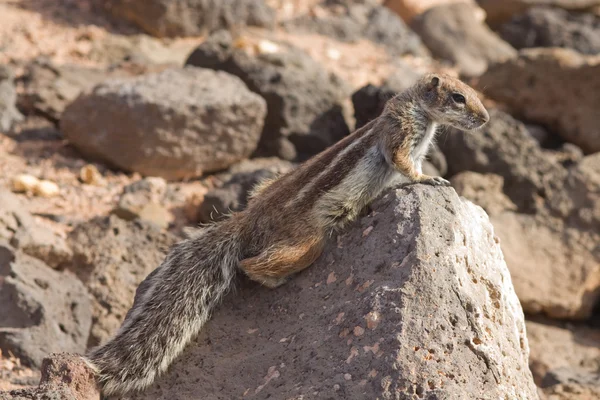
(305, 103)
(42, 310)
(554, 27)
(175, 124)
(414, 301)
(166, 18)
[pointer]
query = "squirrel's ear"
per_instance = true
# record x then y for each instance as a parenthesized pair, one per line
(435, 81)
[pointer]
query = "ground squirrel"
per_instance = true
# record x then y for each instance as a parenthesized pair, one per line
(283, 229)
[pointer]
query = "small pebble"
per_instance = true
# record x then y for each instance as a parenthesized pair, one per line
(267, 47)
(24, 183)
(89, 174)
(46, 189)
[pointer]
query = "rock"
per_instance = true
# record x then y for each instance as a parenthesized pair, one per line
(306, 111)
(570, 391)
(143, 199)
(19, 228)
(555, 347)
(361, 21)
(46, 188)
(557, 88)
(9, 114)
(415, 301)
(24, 183)
(553, 27)
(550, 228)
(42, 310)
(233, 195)
(49, 88)
(90, 175)
(453, 33)
(105, 263)
(500, 11)
(408, 9)
(64, 377)
(168, 18)
(175, 124)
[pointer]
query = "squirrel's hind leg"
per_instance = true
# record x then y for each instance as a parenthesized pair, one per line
(273, 266)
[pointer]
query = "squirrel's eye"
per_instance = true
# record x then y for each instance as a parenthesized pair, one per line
(459, 98)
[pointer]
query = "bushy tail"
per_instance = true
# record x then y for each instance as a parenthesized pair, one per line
(170, 307)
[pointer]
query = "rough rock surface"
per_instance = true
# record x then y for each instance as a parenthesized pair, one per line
(233, 195)
(558, 88)
(556, 348)
(167, 18)
(8, 98)
(144, 199)
(49, 88)
(554, 27)
(306, 111)
(175, 124)
(454, 33)
(19, 228)
(501, 11)
(408, 9)
(375, 23)
(415, 301)
(546, 215)
(105, 263)
(42, 310)
(64, 377)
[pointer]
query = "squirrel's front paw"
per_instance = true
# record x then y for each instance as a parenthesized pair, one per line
(435, 181)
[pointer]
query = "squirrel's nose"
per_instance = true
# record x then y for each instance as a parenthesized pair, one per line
(485, 116)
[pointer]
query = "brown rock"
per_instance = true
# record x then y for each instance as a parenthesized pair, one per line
(500, 11)
(574, 347)
(550, 228)
(19, 228)
(42, 310)
(408, 9)
(558, 88)
(175, 124)
(143, 199)
(420, 307)
(454, 33)
(64, 377)
(167, 18)
(112, 257)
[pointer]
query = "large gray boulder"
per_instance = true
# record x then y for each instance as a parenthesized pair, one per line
(414, 301)
(306, 104)
(175, 124)
(42, 310)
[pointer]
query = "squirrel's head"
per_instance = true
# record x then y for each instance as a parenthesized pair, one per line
(451, 102)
